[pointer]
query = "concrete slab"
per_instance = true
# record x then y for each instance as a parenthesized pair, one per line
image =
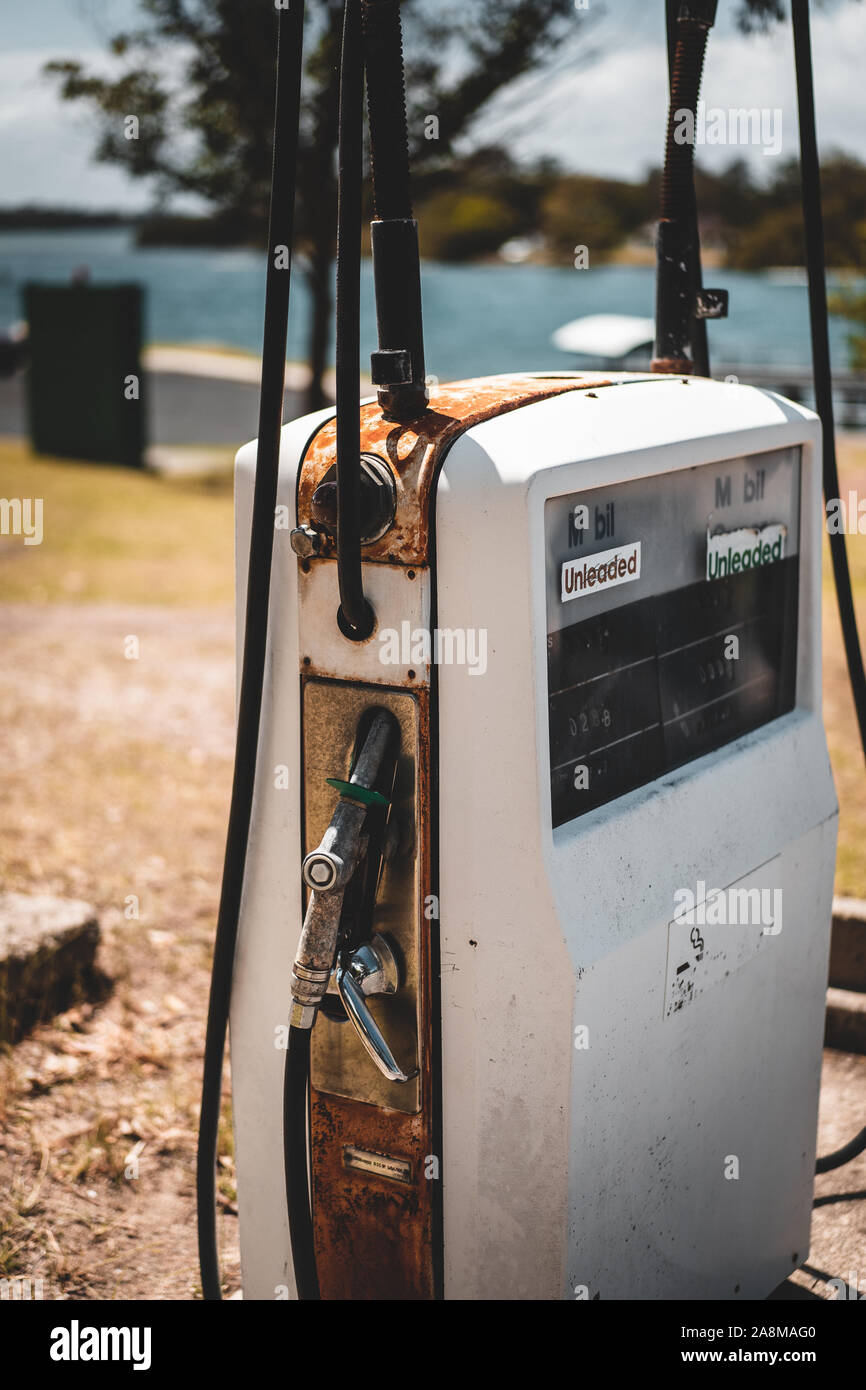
(47, 959)
(846, 1020)
(848, 944)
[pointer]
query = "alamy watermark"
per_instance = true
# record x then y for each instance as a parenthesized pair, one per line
(735, 126)
(21, 1290)
(22, 516)
(729, 907)
(846, 516)
(77, 1343)
(444, 646)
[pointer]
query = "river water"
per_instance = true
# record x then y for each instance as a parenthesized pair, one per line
(478, 318)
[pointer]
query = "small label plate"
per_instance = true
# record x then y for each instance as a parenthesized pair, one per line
(397, 1169)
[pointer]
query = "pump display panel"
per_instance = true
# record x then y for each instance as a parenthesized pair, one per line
(671, 621)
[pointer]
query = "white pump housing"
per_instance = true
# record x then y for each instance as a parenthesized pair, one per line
(629, 1093)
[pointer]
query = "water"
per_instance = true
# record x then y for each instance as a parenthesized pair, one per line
(478, 319)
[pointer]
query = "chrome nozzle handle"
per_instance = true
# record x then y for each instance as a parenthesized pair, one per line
(371, 969)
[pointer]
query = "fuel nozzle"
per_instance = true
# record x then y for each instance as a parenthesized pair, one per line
(328, 869)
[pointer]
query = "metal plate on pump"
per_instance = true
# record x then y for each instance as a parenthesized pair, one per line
(339, 1064)
(671, 621)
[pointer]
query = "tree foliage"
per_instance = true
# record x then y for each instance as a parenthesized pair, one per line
(199, 75)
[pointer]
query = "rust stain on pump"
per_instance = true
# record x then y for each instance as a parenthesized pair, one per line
(415, 450)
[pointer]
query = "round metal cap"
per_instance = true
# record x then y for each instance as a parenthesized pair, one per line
(320, 871)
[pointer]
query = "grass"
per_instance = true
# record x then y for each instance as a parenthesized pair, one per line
(116, 534)
(841, 724)
(852, 474)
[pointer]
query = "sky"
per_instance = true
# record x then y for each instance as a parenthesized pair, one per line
(603, 115)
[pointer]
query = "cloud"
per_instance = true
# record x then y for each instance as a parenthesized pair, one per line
(605, 117)
(46, 145)
(609, 117)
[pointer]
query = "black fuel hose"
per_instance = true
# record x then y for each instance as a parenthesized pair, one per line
(386, 109)
(840, 1157)
(296, 1092)
(813, 221)
(822, 373)
(355, 616)
(698, 336)
(676, 247)
(290, 28)
(398, 366)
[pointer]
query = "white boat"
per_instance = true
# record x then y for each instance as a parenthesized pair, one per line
(609, 337)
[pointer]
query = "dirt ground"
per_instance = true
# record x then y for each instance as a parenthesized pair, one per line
(117, 777)
(838, 1249)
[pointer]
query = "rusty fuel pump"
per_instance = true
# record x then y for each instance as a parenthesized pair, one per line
(460, 995)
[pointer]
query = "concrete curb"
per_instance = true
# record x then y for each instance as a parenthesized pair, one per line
(222, 364)
(845, 1026)
(848, 944)
(48, 951)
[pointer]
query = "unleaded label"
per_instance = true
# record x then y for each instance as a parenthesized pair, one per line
(603, 570)
(733, 552)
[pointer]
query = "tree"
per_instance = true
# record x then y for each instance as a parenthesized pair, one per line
(773, 234)
(851, 305)
(198, 76)
(610, 211)
(759, 14)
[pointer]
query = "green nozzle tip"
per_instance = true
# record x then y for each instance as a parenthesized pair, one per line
(366, 796)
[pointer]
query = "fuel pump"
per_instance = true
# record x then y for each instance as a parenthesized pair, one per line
(531, 755)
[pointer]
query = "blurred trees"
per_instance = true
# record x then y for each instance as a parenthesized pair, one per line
(774, 234)
(469, 208)
(851, 305)
(751, 225)
(199, 77)
(595, 212)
